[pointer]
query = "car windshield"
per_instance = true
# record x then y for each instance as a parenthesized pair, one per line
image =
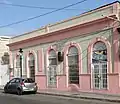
(28, 80)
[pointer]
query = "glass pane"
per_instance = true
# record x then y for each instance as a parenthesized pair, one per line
(31, 62)
(104, 75)
(52, 58)
(104, 71)
(99, 46)
(31, 56)
(52, 53)
(73, 65)
(52, 61)
(32, 66)
(73, 60)
(13, 81)
(52, 76)
(97, 85)
(96, 80)
(73, 75)
(104, 83)
(104, 66)
(18, 62)
(96, 71)
(29, 80)
(17, 80)
(73, 50)
(98, 57)
(99, 52)
(96, 75)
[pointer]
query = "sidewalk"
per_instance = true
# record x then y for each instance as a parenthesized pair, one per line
(83, 95)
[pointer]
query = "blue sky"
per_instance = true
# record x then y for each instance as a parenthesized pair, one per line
(10, 14)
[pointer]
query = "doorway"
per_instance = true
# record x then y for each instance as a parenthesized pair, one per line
(99, 75)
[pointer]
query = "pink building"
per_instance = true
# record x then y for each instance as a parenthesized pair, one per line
(78, 54)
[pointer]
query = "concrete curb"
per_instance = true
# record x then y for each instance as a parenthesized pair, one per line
(82, 97)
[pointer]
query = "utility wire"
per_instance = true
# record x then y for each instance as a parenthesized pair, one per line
(34, 7)
(14, 23)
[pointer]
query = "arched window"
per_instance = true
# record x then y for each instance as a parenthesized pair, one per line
(52, 58)
(99, 61)
(99, 52)
(52, 68)
(73, 65)
(32, 66)
(18, 66)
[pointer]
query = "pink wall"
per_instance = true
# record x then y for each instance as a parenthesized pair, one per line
(41, 81)
(65, 33)
(113, 83)
(85, 82)
(115, 48)
(61, 82)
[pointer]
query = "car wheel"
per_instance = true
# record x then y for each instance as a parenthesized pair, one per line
(19, 91)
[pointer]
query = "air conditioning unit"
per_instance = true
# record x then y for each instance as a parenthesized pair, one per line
(118, 29)
(60, 56)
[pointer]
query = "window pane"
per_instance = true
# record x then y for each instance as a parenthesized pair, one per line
(97, 85)
(73, 50)
(104, 75)
(96, 71)
(52, 53)
(99, 46)
(104, 83)
(99, 52)
(52, 58)
(17, 81)
(18, 62)
(31, 62)
(73, 65)
(73, 60)
(52, 61)
(31, 56)
(73, 74)
(12, 81)
(29, 80)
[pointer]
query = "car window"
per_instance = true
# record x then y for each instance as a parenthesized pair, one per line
(17, 81)
(29, 80)
(12, 81)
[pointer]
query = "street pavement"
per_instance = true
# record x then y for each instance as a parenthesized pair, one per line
(45, 99)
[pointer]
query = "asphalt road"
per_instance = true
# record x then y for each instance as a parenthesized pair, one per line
(44, 99)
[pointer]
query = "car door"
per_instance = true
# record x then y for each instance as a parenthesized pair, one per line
(16, 84)
(10, 85)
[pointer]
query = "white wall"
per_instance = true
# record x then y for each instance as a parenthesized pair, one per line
(4, 74)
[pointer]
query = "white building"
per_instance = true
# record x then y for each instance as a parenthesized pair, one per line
(4, 66)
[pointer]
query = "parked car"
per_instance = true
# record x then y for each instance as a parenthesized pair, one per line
(21, 85)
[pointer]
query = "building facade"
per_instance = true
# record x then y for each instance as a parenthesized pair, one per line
(78, 54)
(4, 60)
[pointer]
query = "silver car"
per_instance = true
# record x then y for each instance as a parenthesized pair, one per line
(21, 85)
